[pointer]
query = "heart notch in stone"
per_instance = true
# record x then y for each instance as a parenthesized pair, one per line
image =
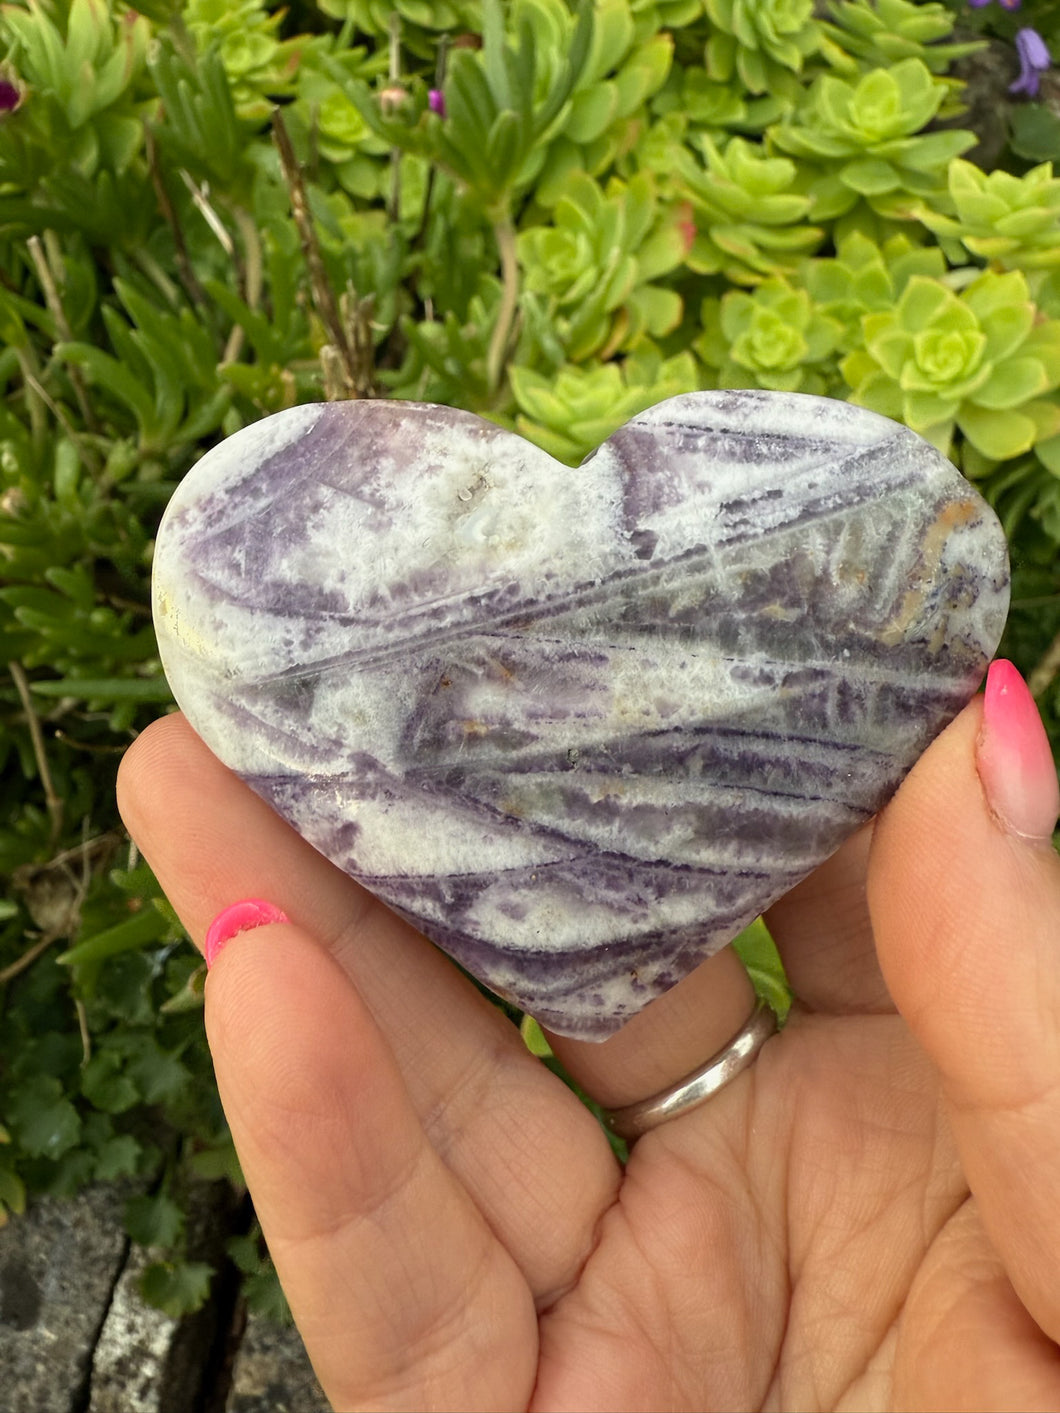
(579, 725)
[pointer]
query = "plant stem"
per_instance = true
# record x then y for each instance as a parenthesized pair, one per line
(50, 290)
(505, 235)
(320, 288)
(51, 798)
(188, 277)
(393, 205)
(1046, 670)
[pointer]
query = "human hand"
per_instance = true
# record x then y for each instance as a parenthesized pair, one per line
(868, 1217)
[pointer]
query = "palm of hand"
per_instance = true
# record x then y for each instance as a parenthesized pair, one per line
(795, 1244)
(450, 1225)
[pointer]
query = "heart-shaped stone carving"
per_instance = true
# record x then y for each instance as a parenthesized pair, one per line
(579, 725)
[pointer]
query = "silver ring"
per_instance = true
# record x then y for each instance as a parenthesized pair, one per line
(702, 1084)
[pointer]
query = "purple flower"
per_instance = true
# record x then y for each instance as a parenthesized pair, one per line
(10, 97)
(436, 101)
(1034, 61)
(1005, 4)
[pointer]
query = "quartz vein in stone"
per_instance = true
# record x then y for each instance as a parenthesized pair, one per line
(580, 725)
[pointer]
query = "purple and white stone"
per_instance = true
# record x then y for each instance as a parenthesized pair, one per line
(579, 725)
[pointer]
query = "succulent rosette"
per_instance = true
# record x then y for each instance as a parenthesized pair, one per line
(597, 262)
(1009, 220)
(571, 412)
(750, 222)
(764, 42)
(889, 31)
(866, 135)
(863, 277)
(773, 338)
(980, 362)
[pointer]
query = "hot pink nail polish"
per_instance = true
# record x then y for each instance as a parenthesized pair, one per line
(1013, 757)
(240, 917)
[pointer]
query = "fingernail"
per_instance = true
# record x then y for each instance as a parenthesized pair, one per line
(1014, 759)
(240, 917)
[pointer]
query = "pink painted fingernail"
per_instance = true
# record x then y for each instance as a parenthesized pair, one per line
(1013, 757)
(240, 917)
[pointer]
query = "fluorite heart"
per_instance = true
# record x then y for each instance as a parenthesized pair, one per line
(580, 726)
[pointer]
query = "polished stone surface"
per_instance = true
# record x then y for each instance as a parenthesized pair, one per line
(579, 725)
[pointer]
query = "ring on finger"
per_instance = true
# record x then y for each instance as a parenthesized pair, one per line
(633, 1120)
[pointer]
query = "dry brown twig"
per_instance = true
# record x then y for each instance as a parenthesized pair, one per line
(356, 374)
(1046, 669)
(54, 303)
(51, 798)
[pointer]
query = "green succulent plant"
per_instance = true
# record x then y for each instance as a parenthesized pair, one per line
(866, 133)
(1010, 221)
(979, 362)
(863, 277)
(598, 260)
(691, 98)
(572, 412)
(888, 31)
(621, 73)
(83, 80)
(255, 59)
(774, 338)
(750, 223)
(764, 42)
(503, 103)
(651, 16)
(422, 22)
(340, 133)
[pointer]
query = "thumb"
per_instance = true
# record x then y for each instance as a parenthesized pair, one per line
(964, 892)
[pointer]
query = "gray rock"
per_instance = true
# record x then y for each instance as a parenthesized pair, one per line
(58, 1266)
(133, 1348)
(272, 1372)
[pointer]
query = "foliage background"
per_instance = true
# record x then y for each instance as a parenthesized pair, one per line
(213, 209)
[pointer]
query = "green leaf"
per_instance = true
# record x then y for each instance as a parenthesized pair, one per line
(1013, 382)
(219, 1161)
(108, 373)
(922, 409)
(1048, 453)
(592, 111)
(870, 177)
(177, 1288)
(924, 300)
(12, 1193)
(877, 391)
(135, 932)
(1035, 132)
(644, 73)
(534, 1038)
(46, 1123)
(118, 1157)
(506, 148)
(107, 689)
(153, 1219)
(104, 1084)
(757, 950)
(999, 435)
(470, 104)
(159, 1073)
(264, 1295)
